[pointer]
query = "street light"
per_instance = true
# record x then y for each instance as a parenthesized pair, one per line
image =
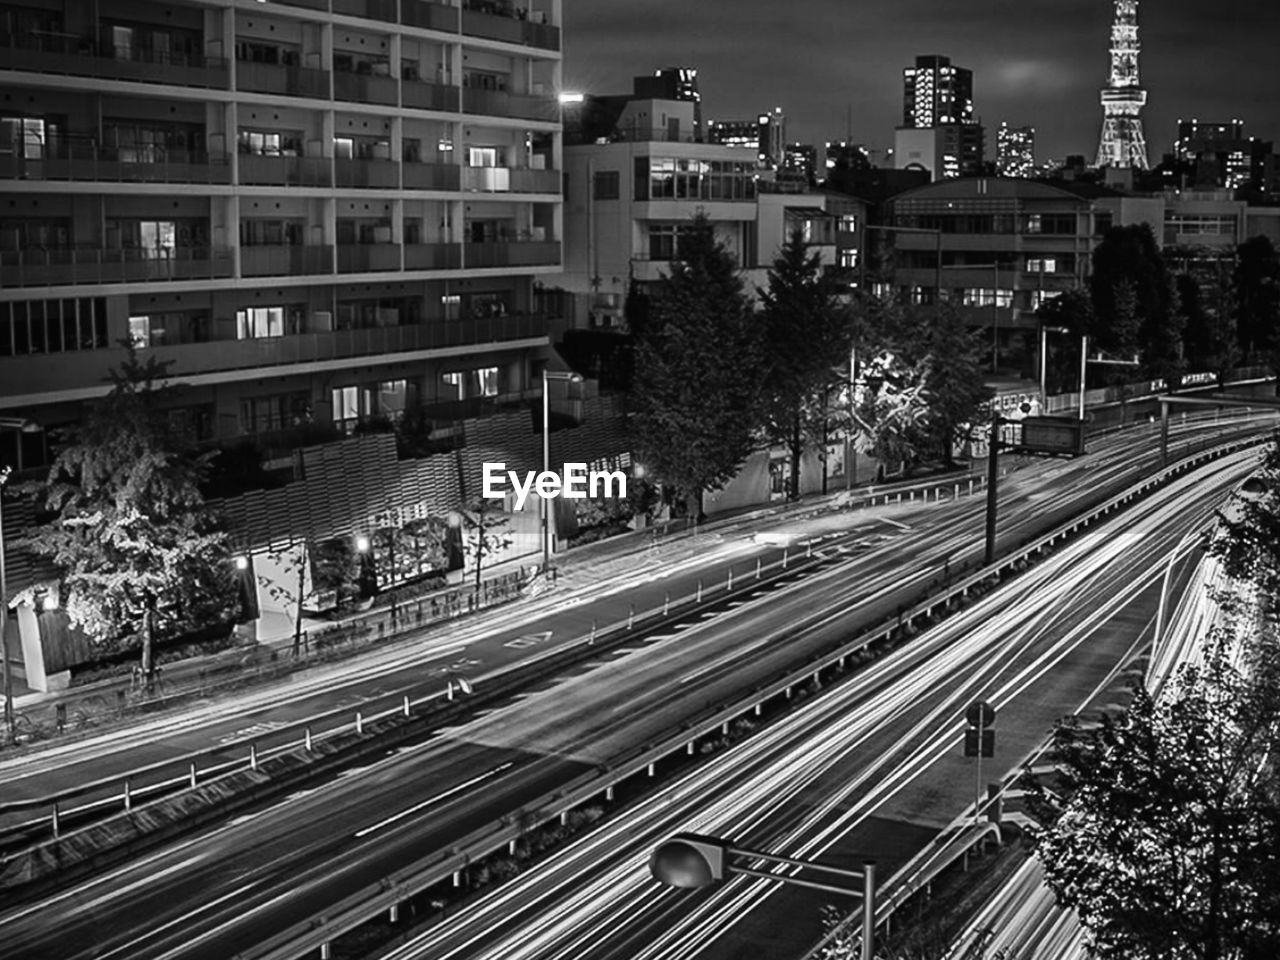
(25, 426)
(692, 861)
(547, 376)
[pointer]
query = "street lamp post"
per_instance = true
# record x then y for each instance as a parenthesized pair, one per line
(25, 426)
(692, 861)
(547, 376)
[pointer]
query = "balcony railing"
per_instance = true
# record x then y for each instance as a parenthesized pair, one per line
(90, 163)
(431, 176)
(308, 4)
(289, 81)
(522, 253)
(33, 374)
(499, 21)
(497, 103)
(384, 10)
(80, 56)
(366, 257)
(429, 96)
(257, 170)
(366, 173)
(432, 256)
(366, 88)
(76, 265)
(511, 180)
(285, 261)
(428, 14)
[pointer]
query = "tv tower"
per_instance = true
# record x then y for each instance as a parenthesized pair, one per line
(1122, 144)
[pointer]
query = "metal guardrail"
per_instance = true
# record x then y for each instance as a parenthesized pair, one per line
(368, 903)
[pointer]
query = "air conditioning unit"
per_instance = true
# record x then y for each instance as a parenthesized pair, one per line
(322, 321)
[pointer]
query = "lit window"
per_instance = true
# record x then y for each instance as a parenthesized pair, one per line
(257, 322)
(140, 331)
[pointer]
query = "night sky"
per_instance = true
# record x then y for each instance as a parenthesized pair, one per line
(1040, 62)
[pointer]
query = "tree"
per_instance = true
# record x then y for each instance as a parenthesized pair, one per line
(698, 370)
(1132, 297)
(1256, 290)
(893, 411)
(955, 383)
(292, 590)
(1209, 329)
(1250, 545)
(129, 529)
(1167, 846)
(806, 334)
(483, 534)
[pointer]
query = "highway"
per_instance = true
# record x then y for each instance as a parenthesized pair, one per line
(873, 768)
(222, 892)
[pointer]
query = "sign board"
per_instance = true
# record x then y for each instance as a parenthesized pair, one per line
(980, 714)
(1052, 435)
(979, 743)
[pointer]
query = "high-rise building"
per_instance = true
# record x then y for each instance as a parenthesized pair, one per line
(948, 150)
(1122, 143)
(936, 93)
(801, 159)
(1222, 154)
(316, 220)
(766, 135)
(1015, 151)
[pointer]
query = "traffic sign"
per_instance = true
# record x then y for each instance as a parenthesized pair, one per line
(1052, 435)
(980, 714)
(975, 747)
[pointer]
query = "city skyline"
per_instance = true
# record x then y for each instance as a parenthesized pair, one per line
(1033, 63)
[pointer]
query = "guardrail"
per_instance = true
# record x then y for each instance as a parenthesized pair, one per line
(498, 684)
(366, 904)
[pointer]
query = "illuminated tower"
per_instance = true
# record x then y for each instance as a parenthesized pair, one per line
(1122, 144)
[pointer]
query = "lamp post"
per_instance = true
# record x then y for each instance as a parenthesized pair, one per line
(692, 861)
(547, 377)
(24, 426)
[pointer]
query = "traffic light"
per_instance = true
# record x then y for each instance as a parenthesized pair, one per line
(980, 739)
(690, 860)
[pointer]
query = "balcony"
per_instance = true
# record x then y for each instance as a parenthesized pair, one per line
(383, 174)
(432, 16)
(288, 81)
(285, 261)
(432, 256)
(33, 374)
(366, 88)
(76, 265)
(368, 257)
(384, 10)
(89, 164)
(308, 4)
(497, 103)
(431, 176)
(510, 180)
(497, 21)
(429, 96)
(523, 253)
(79, 56)
(258, 170)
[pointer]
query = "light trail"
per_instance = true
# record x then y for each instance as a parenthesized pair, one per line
(571, 906)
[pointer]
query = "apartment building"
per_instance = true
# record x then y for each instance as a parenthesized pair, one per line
(317, 211)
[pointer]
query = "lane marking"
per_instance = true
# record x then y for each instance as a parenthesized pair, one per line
(900, 526)
(436, 799)
(529, 640)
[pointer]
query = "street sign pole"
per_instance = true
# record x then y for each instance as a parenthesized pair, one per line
(979, 742)
(993, 473)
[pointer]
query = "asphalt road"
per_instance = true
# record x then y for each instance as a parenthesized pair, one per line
(222, 892)
(873, 768)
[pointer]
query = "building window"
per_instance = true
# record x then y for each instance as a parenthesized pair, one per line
(607, 185)
(140, 331)
(1040, 297)
(393, 398)
(664, 240)
(349, 404)
(1039, 264)
(849, 258)
(467, 384)
(52, 326)
(266, 414)
(985, 297)
(848, 223)
(257, 322)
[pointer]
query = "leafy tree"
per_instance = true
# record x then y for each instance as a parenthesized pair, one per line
(1132, 297)
(892, 413)
(483, 530)
(1256, 289)
(129, 528)
(698, 370)
(806, 334)
(1209, 328)
(1167, 846)
(1250, 546)
(955, 383)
